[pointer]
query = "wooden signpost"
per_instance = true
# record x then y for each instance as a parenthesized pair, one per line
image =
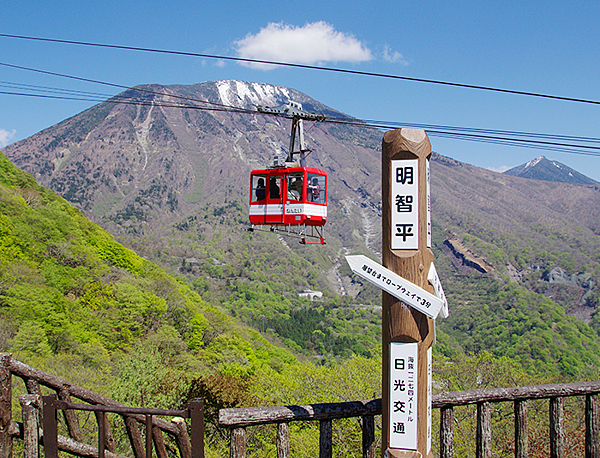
(407, 333)
(412, 294)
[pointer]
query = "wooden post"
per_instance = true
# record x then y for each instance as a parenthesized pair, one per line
(368, 436)
(5, 406)
(196, 408)
(237, 447)
(159, 443)
(30, 408)
(557, 435)
(148, 436)
(70, 417)
(183, 440)
(135, 438)
(592, 426)
(483, 447)
(50, 426)
(109, 440)
(446, 432)
(283, 440)
(400, 323)
(325, 439)
(101, 418)
(521, 431)
(33, 387)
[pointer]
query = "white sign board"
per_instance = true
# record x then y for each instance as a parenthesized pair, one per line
(405, 204)
(392, 283)
(428, 206)
(433, 278)
(429, 396)
(403, 395)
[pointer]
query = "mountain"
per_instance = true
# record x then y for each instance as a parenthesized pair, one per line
(518, 257)
(141, 168)
(547, 170)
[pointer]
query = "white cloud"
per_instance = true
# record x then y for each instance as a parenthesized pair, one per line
(310, 44)
(393, 56)
(6, 136)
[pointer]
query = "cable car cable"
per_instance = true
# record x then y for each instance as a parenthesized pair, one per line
(344, 120)
(119, 86)
(493, 139)
(451, 132)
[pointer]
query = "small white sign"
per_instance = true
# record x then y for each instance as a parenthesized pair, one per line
(406, 291)
(403, 395)
(433, 278)
(405, 204)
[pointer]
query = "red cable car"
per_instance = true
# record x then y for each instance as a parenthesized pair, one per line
(290, 197)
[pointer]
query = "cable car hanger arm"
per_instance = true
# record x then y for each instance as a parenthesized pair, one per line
(294, 111)
(291, 110)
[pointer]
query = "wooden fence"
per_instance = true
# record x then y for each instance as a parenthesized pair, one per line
(74, 444)
(237, 420)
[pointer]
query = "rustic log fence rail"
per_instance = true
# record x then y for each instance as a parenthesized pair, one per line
(51, 405)
(35, 379)
(237, 420)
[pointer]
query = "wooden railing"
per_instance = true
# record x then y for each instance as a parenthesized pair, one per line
(74, 444)
(519, 396)
(237, 420)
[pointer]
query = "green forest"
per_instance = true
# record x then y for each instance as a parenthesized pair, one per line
(76, 303)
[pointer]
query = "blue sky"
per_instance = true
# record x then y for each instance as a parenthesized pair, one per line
(543, 47)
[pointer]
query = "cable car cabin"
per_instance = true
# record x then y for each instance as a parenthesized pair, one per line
(290, 198)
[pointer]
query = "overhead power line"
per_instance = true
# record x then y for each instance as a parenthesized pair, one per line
(309, 67)
(550, 142)
(518, 139)
(105, 83)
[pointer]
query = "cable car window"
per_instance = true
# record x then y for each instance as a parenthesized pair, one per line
(295, 186)
(316, 188)
(259, 189)
(274, 188)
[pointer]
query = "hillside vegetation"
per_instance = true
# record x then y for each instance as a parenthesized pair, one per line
(80, 305)
(171, 184)
(68, 289)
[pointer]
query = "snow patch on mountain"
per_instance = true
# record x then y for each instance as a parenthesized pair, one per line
(534, 162)
(241, 94)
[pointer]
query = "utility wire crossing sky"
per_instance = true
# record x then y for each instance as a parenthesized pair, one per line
(574, 145)
(483, 72)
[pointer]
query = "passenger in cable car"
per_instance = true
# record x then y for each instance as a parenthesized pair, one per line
(314, 191)
(261, 189)
(295, 187)
(274, 192)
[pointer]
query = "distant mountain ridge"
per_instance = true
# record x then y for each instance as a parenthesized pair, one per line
(544, 169)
